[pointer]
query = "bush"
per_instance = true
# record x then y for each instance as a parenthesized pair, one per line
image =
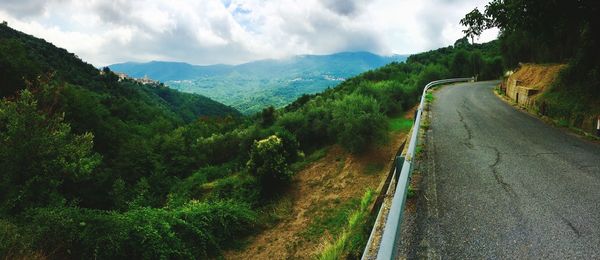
(240, 188)
(268, 164)
(358, 122)
(194, 230)
(12, 242)
(431, 73)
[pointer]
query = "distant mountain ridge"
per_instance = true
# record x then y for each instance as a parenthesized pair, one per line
(170, 70)
(251, 86)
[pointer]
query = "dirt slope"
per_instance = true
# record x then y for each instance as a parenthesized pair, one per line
(537, 76)
(338, 176)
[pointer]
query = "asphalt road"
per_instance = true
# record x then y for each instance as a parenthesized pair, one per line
(503, 184)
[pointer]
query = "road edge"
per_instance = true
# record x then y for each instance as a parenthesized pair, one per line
(547, 120)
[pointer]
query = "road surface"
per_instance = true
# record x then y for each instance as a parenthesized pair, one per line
(502, 184)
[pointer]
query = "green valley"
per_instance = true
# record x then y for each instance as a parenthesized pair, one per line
(252, 86)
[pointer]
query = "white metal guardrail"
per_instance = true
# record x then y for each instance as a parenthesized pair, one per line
(391, 231)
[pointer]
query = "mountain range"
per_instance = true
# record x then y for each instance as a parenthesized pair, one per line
(251, 86)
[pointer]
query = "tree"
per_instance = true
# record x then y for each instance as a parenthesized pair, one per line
(462, 42)
(267, 116)
(475, 22)
(268, 164)
(461, 66)
(38, 153)
(476, 62)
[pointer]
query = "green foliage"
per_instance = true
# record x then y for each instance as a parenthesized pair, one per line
(38, 154)
(253, 86)
(267, 116)
(332, 221)
(194, 230)
(216, 183)
(463, 60)
(13, 243)
(15, 67)
(432, 72)
(400, 123)
(241, 188)
(359, 122)
(475, 22)
(429, 97)
(352, 240)
(268, 163)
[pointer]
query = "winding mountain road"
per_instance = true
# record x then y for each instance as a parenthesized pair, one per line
(503, 184)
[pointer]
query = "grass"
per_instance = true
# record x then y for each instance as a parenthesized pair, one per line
(400, 124)
(418, 150)
(279, 210)
(331, 221)
(429, 97)
(351, 240)
(411, 191)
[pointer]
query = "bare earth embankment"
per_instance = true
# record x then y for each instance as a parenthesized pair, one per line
(331, 181)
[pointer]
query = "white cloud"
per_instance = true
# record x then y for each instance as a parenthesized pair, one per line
(233, 31)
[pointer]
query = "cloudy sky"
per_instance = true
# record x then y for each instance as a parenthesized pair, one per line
(103, 32)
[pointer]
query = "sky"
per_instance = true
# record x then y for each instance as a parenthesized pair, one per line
(104, 32)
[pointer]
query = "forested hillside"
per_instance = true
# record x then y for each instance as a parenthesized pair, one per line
(551, 32)
(97, 168)
(255, 85)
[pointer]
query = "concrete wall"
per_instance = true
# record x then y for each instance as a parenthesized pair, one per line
(522, 95)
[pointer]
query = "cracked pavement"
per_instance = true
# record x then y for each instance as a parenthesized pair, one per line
(505, 184)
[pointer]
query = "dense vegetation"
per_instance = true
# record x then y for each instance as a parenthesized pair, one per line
(93, 167)
(551, 32)
(252, 86)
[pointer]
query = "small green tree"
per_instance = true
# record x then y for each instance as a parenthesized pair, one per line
(267, 116)
(268, 164)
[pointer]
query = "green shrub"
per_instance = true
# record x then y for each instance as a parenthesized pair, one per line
(241, 188)
(194, 230)
(400, 124)
(268, 164)
(358, 122)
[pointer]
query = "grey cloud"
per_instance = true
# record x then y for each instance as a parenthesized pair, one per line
(113, 12)
(325, 34)
(432, 29)
(433, 19)
(25, 8)
(221, 27)
(344, 7)
(179, 44)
